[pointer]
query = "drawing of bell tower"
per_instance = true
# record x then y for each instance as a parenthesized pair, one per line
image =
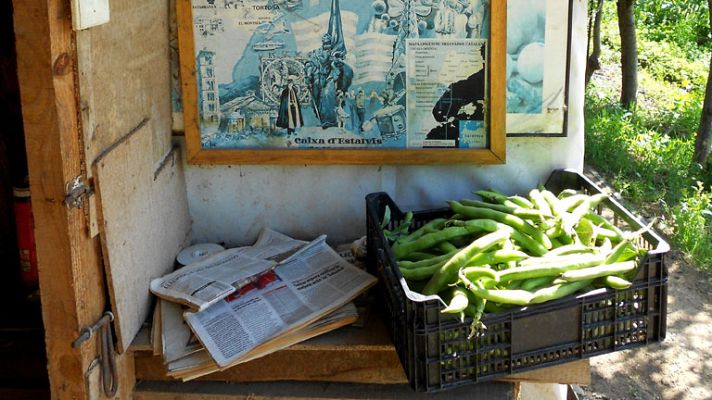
(208, 96)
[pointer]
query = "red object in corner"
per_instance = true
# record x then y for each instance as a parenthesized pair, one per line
(25, 227)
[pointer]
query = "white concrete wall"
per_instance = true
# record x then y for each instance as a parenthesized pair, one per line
(231, 204)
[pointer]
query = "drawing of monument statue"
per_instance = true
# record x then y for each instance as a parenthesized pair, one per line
(326, 71)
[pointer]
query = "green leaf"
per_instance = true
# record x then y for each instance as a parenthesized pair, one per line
(386, 218)
(585, 232)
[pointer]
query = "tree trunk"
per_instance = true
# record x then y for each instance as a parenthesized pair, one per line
(629, 52)
(703, 142)
(593, 63)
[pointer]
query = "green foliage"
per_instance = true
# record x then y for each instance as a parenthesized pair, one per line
(671, 110)
(681, 22)
(647, 152)
(693, 224)
(646, 166)
(668, 62)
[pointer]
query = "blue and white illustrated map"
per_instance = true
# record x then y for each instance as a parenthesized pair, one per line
(275, 74)
(526, 21)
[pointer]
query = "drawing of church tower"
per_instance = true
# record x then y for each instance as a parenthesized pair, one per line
(208, 96)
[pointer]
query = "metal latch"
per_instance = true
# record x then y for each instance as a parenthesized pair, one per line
(107, 356)
(76, 191)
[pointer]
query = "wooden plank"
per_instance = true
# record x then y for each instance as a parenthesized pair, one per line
(575, 373)
(157, 331)
(69, 267)
(498, 79)
(144, 222)
(124, 77)
(350, 157)
(356, 355)
(311, 390)
(357, 365)
(123, 82)
(142, 341)
(350, 354)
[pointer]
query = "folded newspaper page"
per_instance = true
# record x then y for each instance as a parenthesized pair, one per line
(178, 339)
(274, 246)
(310, 284)
(199, 363)
(208, 281)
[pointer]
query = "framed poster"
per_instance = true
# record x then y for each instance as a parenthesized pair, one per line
(343, 81)
(538, 35)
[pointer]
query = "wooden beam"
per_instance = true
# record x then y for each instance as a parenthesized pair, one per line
(311, 390)
(350, 354)
(71, 278)
(369, 366)
(375, 366)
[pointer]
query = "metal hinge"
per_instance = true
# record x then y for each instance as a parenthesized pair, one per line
(107, 355)
(76, 191)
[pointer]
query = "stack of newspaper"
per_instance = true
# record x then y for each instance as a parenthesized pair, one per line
(247, 302)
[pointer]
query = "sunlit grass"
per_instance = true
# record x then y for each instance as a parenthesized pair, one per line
(646, 153)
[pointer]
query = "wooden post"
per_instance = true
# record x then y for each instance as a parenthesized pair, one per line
(71, 277)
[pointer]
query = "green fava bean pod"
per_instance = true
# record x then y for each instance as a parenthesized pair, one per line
(588, 274)
(418, 256)
(526, 241)
(497, 257)
(619, 252)
(507, 219)
(558, 291)
(458, 301)
(554, 204)
(518, 211)
(425, 263)
(536, 283)
(401, 249)
(479, 304)
(474, 273)
(432, 226)
(505, 296)
(492, 196)
(446, 247)
(569, 249)
(604, 223)
(554, 268)
(616, 282)
(539, 202)
(484, 204)
(421, 273)
(487, 225)
(475, 310)
(570, 202)
(521, 201)
(448, 273)
(563, 259)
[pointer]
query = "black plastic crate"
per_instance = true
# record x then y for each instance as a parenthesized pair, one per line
(434, 349)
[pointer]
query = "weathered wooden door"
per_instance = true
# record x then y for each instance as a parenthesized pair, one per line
(96, 105)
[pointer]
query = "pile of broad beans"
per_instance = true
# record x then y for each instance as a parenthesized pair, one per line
(504, 251)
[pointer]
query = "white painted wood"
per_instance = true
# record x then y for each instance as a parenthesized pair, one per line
(143, 221)
(89, 13)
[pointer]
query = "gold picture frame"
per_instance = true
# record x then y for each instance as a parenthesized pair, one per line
(493, 152)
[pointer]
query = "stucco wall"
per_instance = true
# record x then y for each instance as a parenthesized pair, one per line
(231, 204)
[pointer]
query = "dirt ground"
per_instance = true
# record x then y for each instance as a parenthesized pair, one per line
(680, 367)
